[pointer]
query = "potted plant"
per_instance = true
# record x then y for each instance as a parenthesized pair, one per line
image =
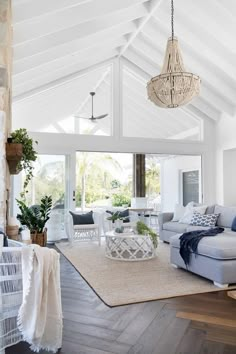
(143, 229)
(20, 154)
(116, 218)
(35, 218)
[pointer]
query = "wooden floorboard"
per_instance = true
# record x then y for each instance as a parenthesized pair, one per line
(196, 324)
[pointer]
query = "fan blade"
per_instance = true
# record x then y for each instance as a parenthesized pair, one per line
(82, 117)
(102, 116)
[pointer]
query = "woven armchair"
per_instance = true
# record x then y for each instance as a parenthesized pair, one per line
(87, 232)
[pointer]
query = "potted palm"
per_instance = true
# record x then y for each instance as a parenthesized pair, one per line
(115, 218)
(35, 218)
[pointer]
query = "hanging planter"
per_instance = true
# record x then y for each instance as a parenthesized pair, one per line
(20, 150)
(14, 153)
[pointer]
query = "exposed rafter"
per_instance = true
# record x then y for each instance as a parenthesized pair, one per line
(153, 6)
(57, 21)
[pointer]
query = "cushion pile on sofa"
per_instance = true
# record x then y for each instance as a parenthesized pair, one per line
(172, 223)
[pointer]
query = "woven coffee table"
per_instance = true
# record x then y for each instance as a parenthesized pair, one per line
(129, 247)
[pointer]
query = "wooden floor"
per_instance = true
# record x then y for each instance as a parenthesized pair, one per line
(192, 324)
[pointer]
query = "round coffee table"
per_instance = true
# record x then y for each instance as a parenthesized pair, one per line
(129, 247)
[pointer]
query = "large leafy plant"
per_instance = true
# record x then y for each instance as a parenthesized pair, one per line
(143, 229)
(20, 136)
(35, 217)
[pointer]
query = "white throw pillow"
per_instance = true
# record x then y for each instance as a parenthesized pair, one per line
(189, 210)
(178, 212)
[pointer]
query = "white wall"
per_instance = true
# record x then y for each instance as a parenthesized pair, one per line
(229, 177)
(226, 140)
(171, 178)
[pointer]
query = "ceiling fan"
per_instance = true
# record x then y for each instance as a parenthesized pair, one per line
(92, 118)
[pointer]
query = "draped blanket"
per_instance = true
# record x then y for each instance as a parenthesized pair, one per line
(40, 315)
(189, 241)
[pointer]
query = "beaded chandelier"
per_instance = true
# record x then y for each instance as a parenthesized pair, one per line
(174, 86)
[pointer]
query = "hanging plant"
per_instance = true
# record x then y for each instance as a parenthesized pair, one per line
(29, 155)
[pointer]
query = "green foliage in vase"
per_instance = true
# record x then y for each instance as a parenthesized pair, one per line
(20, 136)
(115, 216)
(143, 229)
(35, 217)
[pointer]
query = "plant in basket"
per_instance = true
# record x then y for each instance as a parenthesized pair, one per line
(21, 154)
(35, 218)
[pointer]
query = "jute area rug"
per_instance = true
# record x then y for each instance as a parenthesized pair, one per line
(121, 283)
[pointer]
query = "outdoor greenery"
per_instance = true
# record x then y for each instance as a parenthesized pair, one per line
(99, 180)
(102, 168)
(120, 200)
(152, 177)
(35, 217)
(143, 229)
(21, 136)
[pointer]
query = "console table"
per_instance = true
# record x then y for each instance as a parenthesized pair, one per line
(129, 247)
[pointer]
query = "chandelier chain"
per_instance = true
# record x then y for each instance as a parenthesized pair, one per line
(172, 19)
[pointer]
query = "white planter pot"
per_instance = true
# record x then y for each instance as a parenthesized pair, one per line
(118, 223)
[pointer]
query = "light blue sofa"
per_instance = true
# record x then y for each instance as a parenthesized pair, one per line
(216, 258)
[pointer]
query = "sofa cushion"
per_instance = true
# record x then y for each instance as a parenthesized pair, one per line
(233, 226)
(175, 226)
(227, 215)
(208, 220)
(190, 210)
(221, 246)
(194, 227)
(178, 212)
(82, 219)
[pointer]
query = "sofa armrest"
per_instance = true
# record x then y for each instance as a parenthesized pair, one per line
(164, 217)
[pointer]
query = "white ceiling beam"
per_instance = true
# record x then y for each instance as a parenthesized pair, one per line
(27, 9)
(47, 81)
(79, 31)
(212, 19)
(154, 4)
(62, 80)
(147, 65)
(59, 20)
(66, 61)
(71, 47)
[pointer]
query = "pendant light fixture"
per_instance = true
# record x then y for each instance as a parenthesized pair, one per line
(174, 87)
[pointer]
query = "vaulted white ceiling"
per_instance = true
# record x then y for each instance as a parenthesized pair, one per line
(57, 41)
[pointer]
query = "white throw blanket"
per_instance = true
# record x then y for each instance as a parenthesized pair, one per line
(40, 315)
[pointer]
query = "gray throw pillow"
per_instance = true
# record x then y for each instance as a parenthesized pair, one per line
(82, 219)
(208, 220)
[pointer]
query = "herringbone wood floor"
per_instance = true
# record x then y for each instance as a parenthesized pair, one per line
(194, 324)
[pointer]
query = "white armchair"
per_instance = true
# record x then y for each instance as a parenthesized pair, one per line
(86, 232)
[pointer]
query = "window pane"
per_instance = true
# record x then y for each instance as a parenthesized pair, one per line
(103, 179)
(190, 187)
(54, 110)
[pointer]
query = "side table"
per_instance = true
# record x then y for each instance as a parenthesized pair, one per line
(129, 247)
